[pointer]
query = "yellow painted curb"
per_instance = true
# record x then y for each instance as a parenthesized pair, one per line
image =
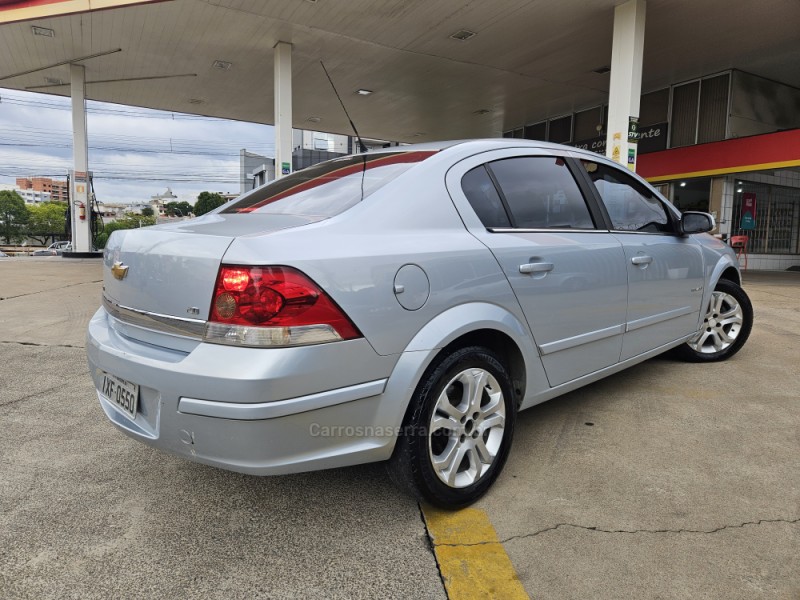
(472, 561)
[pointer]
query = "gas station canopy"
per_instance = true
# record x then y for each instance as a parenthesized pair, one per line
(435, 70)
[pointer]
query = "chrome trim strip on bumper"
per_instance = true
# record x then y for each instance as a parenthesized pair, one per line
(194, 328)
(241, 411)
(220, 333)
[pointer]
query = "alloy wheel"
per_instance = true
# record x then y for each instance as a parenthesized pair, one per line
(721, 325)
(466, 427)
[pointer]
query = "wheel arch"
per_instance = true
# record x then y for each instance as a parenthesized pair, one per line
(731, 274)
(725, 268)
(498, 343)
(479, 324)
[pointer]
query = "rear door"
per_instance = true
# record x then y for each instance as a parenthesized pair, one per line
(567, 273)
(665, 269)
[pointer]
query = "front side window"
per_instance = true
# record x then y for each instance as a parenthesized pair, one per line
(328, 188)
(541, 193)
(631, 206)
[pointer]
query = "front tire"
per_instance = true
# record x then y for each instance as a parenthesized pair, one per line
(458, 431)
(726, 326)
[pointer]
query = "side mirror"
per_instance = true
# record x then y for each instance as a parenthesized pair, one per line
(696, 222)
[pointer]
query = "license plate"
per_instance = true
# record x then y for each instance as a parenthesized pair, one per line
(122, 393)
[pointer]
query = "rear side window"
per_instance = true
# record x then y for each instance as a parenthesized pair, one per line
(631, 206)
(328, 188)
(482, 195)
(541, 193)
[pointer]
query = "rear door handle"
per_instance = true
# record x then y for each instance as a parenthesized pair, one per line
(642, 260)
(529, 268)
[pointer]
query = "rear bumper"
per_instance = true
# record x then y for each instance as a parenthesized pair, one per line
(258, 411)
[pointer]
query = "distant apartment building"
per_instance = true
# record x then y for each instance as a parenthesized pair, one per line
(111, 212)
(158, 202)
(56, 189)
(28, 195)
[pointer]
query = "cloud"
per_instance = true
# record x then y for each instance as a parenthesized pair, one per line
(134, 153)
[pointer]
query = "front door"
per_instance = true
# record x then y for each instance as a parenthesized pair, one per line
(665, 270)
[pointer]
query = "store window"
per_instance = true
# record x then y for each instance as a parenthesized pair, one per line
(589, 123)
(685, 100)
(777, 217)
(692, 194)
(560, 130)
(654, 107)
(700, 111)
(537, 131)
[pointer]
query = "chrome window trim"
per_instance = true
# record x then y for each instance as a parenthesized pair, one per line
(543, 230)
(670, 233)
(193, 328)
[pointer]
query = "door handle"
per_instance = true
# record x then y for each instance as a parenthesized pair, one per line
(529, 268)
(642, 260)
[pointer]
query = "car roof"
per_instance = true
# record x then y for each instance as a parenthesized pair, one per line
(485, 144)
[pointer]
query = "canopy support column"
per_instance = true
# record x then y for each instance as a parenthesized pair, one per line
(283, 109)
(80, 205)
(626, 82)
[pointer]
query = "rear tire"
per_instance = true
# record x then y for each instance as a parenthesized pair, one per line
(458, 430)
(726, 326)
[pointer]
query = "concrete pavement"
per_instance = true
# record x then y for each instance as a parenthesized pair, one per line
(669, 480)
(666, 481)
(86, 512)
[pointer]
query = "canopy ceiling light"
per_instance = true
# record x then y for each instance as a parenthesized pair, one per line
(463, 35)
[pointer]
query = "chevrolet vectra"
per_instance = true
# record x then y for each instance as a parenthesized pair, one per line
(402, 305)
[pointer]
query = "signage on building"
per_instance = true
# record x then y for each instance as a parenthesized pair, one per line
(597, 145)
(748, 221)
(23, 10)
(652, 138)
(616, 148)
(285, 168)
(633, 130)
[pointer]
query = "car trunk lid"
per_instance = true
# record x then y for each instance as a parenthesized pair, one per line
(170, 270)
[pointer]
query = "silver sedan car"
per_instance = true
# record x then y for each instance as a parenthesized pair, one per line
(402, 306)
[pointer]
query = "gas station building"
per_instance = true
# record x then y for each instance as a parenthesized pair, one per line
(700, 98)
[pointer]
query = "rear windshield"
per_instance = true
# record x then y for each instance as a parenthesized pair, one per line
(328, 188)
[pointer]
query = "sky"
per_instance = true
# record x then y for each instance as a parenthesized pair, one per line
(134, 153)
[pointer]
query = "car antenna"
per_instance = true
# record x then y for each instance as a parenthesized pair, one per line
(361, 144)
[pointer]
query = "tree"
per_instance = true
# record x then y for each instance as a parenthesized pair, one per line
(147, 211)
(46, 220)
(13, 216)
(129, 221)
(179, 209)
(206, 202)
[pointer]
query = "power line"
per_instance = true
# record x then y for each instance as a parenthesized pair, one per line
(150, 114)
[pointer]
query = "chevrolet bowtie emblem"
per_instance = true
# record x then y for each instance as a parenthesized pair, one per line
(119, 270)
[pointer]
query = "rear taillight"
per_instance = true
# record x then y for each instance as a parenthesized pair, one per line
(273, 306)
